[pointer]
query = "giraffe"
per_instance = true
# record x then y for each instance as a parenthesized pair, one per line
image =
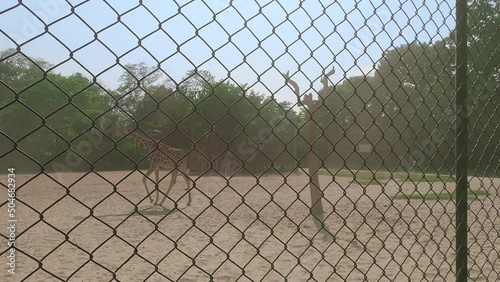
(159, 156)
(228, 163)
(222, 159)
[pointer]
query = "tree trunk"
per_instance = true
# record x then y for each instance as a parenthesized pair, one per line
(314, 166)
(295, 150)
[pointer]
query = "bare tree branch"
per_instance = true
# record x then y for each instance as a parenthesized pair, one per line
(324, 80)
(294, 85)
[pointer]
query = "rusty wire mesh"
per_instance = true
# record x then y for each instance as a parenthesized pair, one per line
(380, 140)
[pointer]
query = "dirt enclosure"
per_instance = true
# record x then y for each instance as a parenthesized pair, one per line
(242, 229)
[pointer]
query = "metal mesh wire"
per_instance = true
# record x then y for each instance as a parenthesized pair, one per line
(347, 174)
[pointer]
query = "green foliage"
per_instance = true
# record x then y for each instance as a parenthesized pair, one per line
(44, 113)
(430, 196)
(484, 85)
(404, 112)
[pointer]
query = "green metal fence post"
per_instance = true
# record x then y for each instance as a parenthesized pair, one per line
(461, 135)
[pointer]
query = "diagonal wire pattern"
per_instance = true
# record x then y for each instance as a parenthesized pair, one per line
(344, 175)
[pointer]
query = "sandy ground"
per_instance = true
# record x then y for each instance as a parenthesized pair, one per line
(243, 230)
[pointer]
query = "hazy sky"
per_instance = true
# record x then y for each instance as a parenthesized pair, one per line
(250, 41)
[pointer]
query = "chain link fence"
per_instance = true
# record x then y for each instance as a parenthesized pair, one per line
(312, 140)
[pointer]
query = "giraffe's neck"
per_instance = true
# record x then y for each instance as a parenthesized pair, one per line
(144, 141)
(148, 143)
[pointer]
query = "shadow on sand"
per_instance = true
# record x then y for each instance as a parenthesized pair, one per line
(327, 235)
(323, 229)
(153, 210)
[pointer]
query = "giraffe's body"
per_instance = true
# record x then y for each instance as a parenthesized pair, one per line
(212, 151)
(161, 156)
(229, 164)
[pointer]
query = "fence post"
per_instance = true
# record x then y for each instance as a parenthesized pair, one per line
(461, 148)
(314, 166)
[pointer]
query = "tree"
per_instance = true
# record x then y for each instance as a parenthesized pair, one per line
(135, 86)
(484, 85)
(44, 112)
(314, 160)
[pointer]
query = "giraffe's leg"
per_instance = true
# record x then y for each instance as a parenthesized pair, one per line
(157, 184)
(172, 183)
(188, 185)
(188, 182)
(144, 179)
